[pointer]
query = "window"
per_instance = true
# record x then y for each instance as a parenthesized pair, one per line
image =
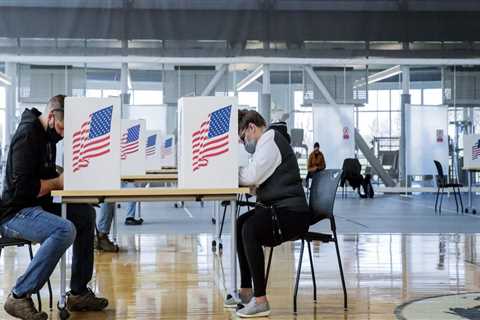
(432, 97)
(416, 96)
(246, 98)
(111, 93)
(147, 97)
(94, 93)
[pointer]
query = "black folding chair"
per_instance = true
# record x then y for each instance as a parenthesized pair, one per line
(11, 242)
(442, 183)
(322, 198)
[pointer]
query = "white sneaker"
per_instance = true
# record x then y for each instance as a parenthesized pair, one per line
(254, 310)
(232, 300)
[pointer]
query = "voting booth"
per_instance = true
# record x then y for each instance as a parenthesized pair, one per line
(471, 152)
(168, 151)
(132, 147)
(208, 142)
(426, 134)
(92, 143)
(335, 132)
(152, 150)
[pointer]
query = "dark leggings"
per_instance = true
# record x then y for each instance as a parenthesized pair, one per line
(254, 231)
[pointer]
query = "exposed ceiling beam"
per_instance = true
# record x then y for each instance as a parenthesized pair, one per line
(209, 89)
(379, 76)
(202, 61)
(250, 78)
(5, 80)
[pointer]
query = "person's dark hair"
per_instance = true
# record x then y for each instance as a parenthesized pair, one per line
(245, 117)
(316, 145)
(56, 105)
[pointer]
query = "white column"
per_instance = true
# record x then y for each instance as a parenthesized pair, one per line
(402, 170)
(125, 96)
(11, 104)
(266, 102)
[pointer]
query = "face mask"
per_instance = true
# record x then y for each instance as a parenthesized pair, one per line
(52, 135)
(250, 146)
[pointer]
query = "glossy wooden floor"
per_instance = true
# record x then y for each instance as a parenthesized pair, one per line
(178, 277)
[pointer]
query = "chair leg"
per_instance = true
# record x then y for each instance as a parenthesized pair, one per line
(268, 265)
(312, 268)
(436, 199)
(50, 300)
(345, 305)
(441, 201)
(223, 221)
(455, 196)
(30, 251)
(460, 197)
(299, 269)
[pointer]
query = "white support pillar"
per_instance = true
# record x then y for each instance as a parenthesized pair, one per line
(11, 104)
(266, 102)
(124, 86)
(402, 170)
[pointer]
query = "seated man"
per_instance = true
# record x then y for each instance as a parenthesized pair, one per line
(28, 212)
(316, 161)
(281, 213)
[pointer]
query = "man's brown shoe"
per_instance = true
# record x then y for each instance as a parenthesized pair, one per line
(103, 243)
(86, 302)
(23, 308)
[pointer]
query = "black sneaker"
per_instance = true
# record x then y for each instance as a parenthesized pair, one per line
(133, 222)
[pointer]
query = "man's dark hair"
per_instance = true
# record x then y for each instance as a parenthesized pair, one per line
(245, 117)
(56, 105)
(316, 145)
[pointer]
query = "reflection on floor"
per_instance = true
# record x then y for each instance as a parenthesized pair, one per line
(178, 277)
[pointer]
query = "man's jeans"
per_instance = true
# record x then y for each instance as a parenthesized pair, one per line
(55, 235)
(106, 215)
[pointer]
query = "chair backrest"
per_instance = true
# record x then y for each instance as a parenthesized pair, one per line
(322, 193)
(440, 175)
(351, 167)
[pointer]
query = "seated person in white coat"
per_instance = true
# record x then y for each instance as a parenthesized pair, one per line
(281, 213)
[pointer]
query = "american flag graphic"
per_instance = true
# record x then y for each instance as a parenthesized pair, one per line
(212, 139)
(167, 147)
(93, 138)
(476, 150)
(151, 145)
(130, 141)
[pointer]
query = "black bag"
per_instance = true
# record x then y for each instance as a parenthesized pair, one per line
(367, 187)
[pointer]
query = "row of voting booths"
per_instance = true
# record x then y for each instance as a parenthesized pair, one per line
(100, 147)
(98, 143)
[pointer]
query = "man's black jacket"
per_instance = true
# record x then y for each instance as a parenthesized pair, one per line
(31, 157)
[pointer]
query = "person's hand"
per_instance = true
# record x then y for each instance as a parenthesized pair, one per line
(60, 181)
(253, 190)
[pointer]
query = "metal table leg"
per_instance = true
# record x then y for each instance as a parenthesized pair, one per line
(216, 218)
(114, 223)
(63, 276)
(139, 209)
(233, 246)
(470, 207)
